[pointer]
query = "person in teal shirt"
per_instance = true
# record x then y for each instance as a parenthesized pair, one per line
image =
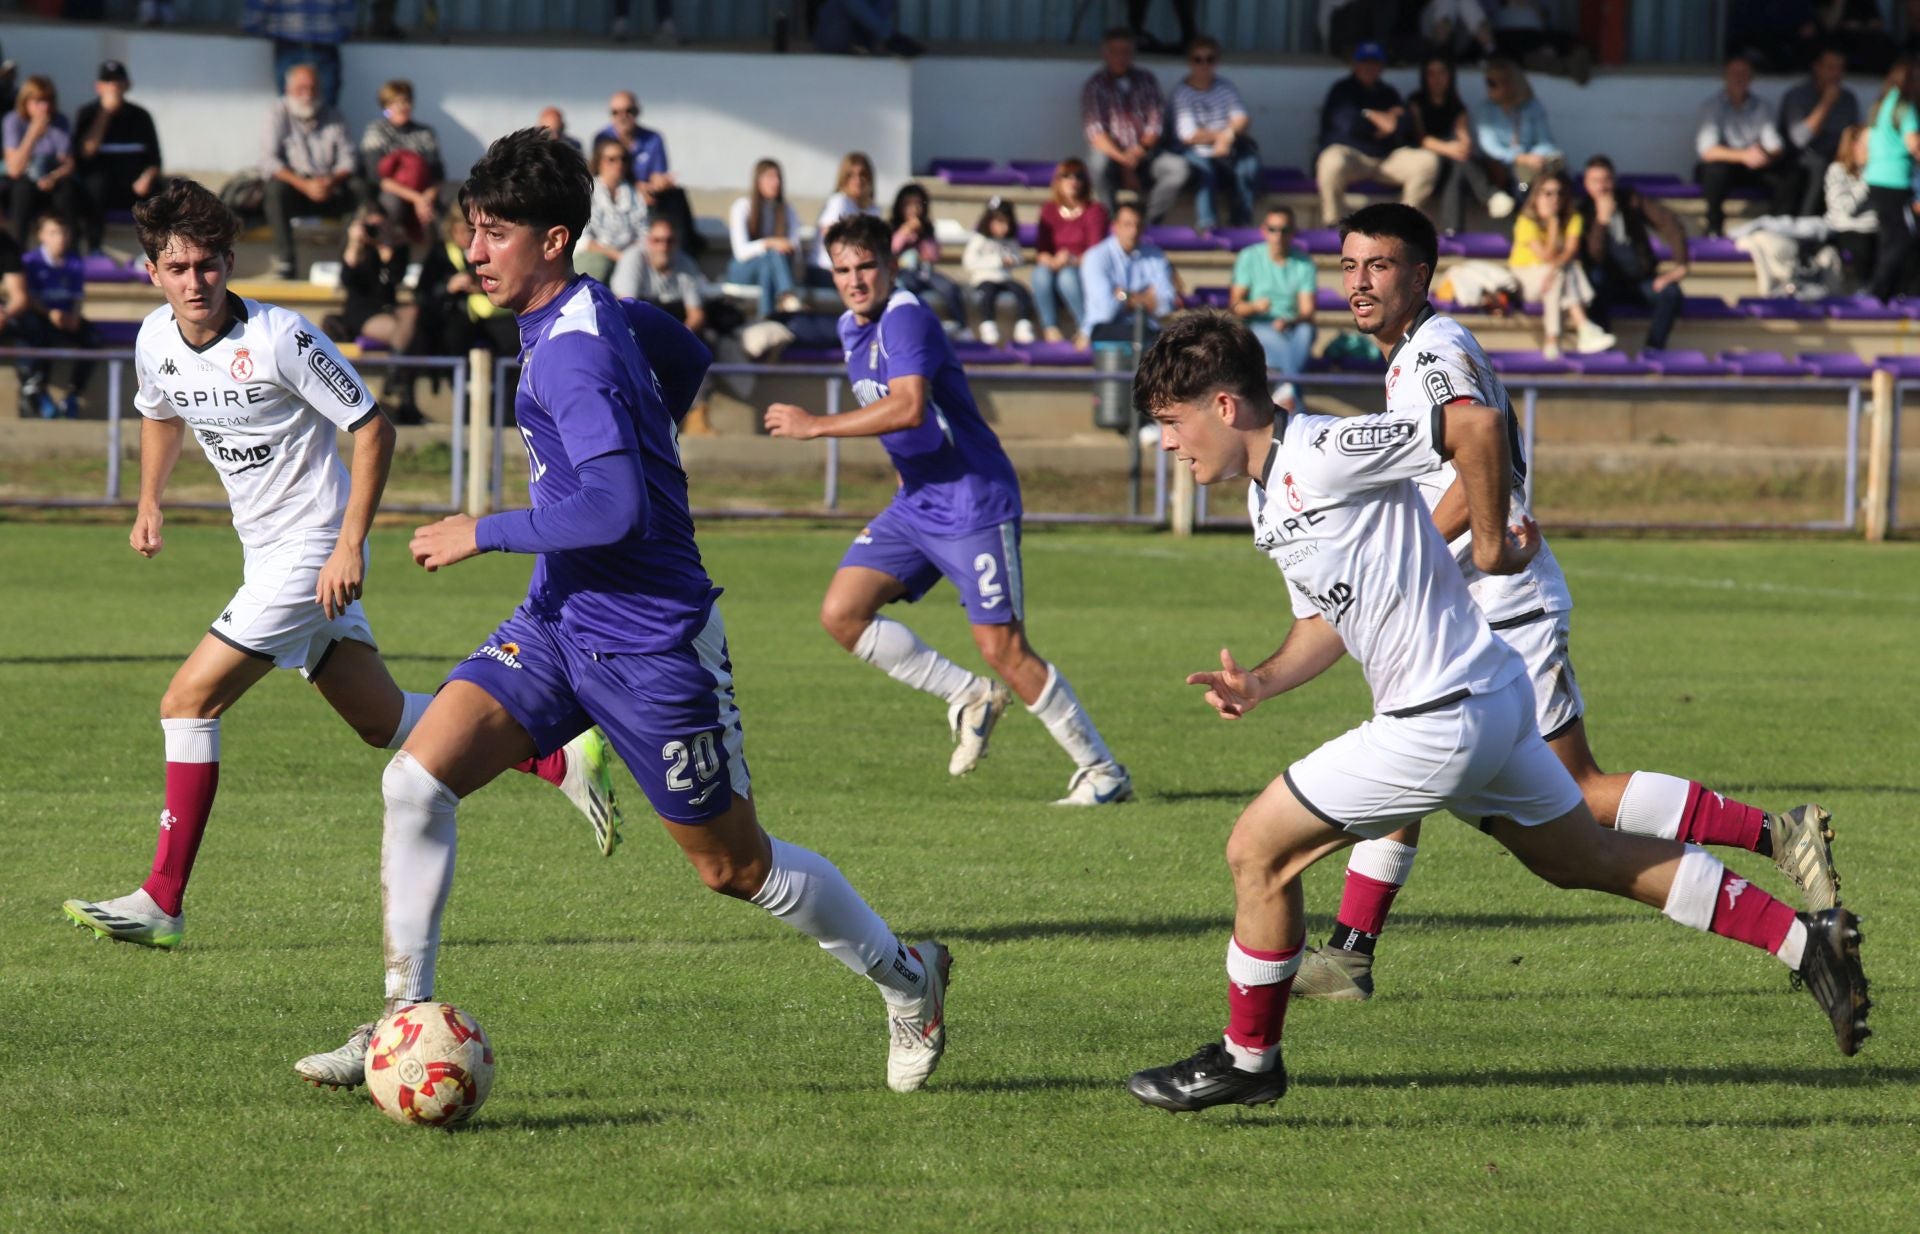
(1273, 286)
(1893, 141)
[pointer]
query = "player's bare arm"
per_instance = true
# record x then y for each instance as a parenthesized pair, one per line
(341, 578)
(1474, 438)
(1310, 649)
(160, 442)
(904, 407)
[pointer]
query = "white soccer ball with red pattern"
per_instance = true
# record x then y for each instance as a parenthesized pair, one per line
(429, 1064)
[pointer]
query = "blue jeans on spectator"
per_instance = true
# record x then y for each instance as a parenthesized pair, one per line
(841, 23)
(1288, 344)
(1057, 289)
(1610, 289)
(931, 283)
(773, 272)
(325, 59)
(1237, 175)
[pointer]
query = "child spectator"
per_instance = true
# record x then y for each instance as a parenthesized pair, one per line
(916, 255)
(1852, 226)
(56, 290)
(400, 158)
(852, 194)
(1070, 224)
(765, 231)
(39, 155)
(613, 246)
(373, 268)
(993, 254)
(1546, 261)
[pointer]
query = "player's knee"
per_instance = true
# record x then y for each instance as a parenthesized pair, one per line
(844, 625)
(189, 701)
(725, 876)
(1253, 863)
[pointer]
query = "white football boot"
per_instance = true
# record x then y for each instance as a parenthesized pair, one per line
(917, 1034)
(345, 1067)
(130, 919)
(588, 784)
(971, 722)
(1105, 784)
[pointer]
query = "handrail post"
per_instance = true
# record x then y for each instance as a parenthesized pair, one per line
(832, 497)
(457, 431)
(1850, 512)
(1879, 454)
(114, 392)
(479, 405)
(497, 467)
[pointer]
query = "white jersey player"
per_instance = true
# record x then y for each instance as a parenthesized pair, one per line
(1433, 360)
(265, 394)
(1336, 506)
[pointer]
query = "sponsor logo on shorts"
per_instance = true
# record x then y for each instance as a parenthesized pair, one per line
(507, 653)
(1374, 438)
(865, 536)
(329, 370)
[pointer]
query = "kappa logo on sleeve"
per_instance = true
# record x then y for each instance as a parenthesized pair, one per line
(1374, 438)
(329, 370)
(301, 342)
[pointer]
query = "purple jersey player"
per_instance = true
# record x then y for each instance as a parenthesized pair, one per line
(619, 628)
(957, 516)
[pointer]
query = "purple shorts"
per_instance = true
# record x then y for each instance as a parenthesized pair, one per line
(669, 715)
(984, 565)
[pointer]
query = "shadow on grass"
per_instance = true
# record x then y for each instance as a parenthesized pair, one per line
(174, 657)
(570, 1122)
(1176, 927)
(1241, 795)
(1817, 791)
(1849, 1075)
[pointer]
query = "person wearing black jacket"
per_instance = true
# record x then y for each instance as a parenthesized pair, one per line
(372, 271)
(118, 152)
(1366, 133)
(1616, 251)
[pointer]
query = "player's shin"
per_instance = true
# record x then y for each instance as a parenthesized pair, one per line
(898, 652)
(1375, 873)
(1058, 707)
(1708, 896)
(193, 776)
(1258, 983)
(809, 893)
(416, 872)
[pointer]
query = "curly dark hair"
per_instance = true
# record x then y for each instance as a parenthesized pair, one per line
(1196, 354)
(1397, 221)
(866, 232)
(531, 177)
(184, 210)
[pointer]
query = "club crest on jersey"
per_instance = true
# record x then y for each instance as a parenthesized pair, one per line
(1293, 494)
(329, 370)
(242, 366)
(506, 653)
(1374, 438)
(1391, 378)
(873, 354)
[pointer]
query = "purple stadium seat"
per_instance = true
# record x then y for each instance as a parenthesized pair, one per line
(368, 344)
(1714, 248)
(813, 355)
(1682, 363)
(1906, 368)
(1320, 242)
(1211, 297)
(1330, 298)
(118, 333)
(99, 268)
(1029, 233)
(1286, 180)
(1865, 308)
(989, 177)
(971, 353)
(1640, 179)
(1709, 308)
(1782, 308)
(1669, 188)
(1765, 364)
(1837, 364)
(1057, 355)
(1237, 238)
(940, 167)
(1034, 173)
(1526, 362)
(1485, 245)
(1610, 364)
(1176, 239)
(124, 217)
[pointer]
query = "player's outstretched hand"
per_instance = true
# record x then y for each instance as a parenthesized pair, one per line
(340, 580)
(1517, 548)
(452, 539)
(787, 420)
(145, 537)
(1232, 691)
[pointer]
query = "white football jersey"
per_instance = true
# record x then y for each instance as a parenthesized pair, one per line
(264, 399)
(1437, 362)
(1336, 508)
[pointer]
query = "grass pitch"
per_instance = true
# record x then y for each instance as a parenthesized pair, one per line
(670, 1060)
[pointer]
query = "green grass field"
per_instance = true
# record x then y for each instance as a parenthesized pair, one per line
(669, 1060)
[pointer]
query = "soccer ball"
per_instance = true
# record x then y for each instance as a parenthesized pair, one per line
(430, 1064)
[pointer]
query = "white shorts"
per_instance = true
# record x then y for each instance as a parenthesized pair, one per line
(274, 615)
(1542, 643)
(1481, 758)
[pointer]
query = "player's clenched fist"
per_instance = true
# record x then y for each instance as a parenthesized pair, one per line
(445, 542)
(787, 420)
(145, 537)
(1233, 691)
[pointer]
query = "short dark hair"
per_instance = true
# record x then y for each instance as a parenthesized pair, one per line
(1116, 34)
(1401, 222)
(1598, 160)
(1196, 354)
(1129, 202)
(867, 232)
(534, 178)
(184, 210)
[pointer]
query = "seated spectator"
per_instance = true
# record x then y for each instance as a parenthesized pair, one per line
(613, 246)
(1125, 275)
(1852, 226)
(993, 254)
(13, 291)
(373, 269)
(1616, 251)
(1520, 32)
(1273, 286)
(852, 193)
(56, 292)
(1070, 224)
(1510, 133)
(1440, 124)
(1813, 115)
(39, 156)
(670, 280)
(849, 26)
(1893, 145)
(1122, 112)
(765, 233)
(1546, 261)
(400, 161)
(1810, 256)
(554, 121)
(455, 315)
(1458, 29)
(1365, 132)
(308, 164)
(118, 157)
(9, 84)
(916, 256)
(1739, 147)
(1210, 121)
(652, 179)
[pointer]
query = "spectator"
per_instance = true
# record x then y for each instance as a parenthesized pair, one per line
(1739, 147)
(56, 291)
(1852, 226)
(993, 254)
(765, 230)
(1520, 32)
(1184, 12)
(373, 269)
(554, 121)
(843, 26)
(1813, 115)
(1122, 113)
(1546, 261)
(13, 290)
(1125, 272)
(1510, 131)
(1458, 29)
(1893, 142)
(669, 280)
(455, 316)
(1365, 132)
(400, 160)
(652, 179)
(1273, 289)
(1070, 224)
(304, 32)
(916, 255)
(1210, 120)
(613, 247)
(119, 151)
(852, 194)
(1441, 125)
(1617, 252)
(39, 156)
(309, 162)
(9, 85)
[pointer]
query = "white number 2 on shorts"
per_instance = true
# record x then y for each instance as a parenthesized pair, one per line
(989, 570)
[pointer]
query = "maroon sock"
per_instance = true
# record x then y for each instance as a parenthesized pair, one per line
(1255, 1013)
(1712, 818)
(1744, 912)
(1364, 904)
(552, 768)
(190, 790)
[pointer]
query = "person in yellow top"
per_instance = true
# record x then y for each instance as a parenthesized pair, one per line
(1545, 258)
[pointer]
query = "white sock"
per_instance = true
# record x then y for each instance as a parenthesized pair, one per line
(1386, 861)
(898, 652)
(412, 707)
(1652, 805)
(1058, 707)
(191, 741)
(1794, 948)
(416, 872)
(1696, 885)
(806, 891)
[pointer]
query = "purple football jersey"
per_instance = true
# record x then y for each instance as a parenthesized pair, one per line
(954, 477)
